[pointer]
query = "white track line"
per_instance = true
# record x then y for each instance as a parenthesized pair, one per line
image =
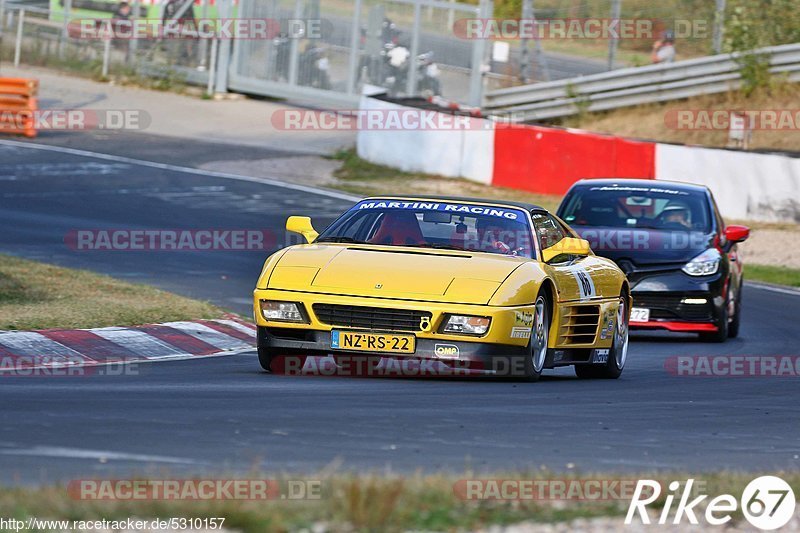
(773, 288)
(187, 170)
(79, 453)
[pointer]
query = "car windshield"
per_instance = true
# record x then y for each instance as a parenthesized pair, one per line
(439, 225)
(660, 208)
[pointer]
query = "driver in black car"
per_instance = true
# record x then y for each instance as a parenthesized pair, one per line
(677, 214)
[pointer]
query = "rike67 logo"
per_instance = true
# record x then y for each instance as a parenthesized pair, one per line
(767, 502)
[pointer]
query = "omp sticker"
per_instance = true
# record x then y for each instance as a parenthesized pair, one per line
(520, 333)
(446, 351)
(600, 356)
(523, 319)
(585, 283)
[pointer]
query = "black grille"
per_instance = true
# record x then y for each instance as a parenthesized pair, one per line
(669, 307)
(374, 318)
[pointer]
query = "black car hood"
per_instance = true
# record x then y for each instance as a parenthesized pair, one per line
(645, 247)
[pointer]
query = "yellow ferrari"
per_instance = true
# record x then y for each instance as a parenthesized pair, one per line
(502, 287)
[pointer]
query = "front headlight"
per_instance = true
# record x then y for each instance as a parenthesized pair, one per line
(466, 325)
(282, 311)
(704, 264)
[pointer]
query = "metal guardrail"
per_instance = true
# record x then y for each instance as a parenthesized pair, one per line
(634, 86)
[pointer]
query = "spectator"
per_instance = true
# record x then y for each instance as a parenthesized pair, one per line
(182, 52)
(172, 7)
(123, 11)
(664, 48)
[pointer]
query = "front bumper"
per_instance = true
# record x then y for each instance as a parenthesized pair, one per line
(473, 355)
(666, 294)
(504, 339)
(502, 330)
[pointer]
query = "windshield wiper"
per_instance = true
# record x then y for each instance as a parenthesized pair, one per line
(348, 240)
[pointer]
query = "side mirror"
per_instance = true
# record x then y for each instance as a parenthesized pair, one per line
(302, 225)
(567, 246)
(735, 233)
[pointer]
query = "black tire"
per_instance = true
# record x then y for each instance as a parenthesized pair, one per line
(540, 337)
(618, 353)
(733, 324)
(721, 335)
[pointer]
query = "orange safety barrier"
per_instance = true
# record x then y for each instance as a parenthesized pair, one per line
(18, 104)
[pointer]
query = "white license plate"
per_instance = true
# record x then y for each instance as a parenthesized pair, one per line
(640, 314)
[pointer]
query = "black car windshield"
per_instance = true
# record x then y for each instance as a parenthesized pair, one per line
(437, 225)
(657, 207)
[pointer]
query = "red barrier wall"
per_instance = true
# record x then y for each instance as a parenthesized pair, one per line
(550, 160)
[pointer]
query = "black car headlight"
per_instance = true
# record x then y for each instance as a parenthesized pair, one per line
(705, 264)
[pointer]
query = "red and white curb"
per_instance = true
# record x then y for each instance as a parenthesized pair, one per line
(99, 346)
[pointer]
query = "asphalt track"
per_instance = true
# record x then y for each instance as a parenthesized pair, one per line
(224, 415)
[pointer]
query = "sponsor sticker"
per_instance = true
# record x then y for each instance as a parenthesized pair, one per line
(600, 356)
(499, 212)
(446, 351)
(523, 319)
(608, 319)
(520, 333)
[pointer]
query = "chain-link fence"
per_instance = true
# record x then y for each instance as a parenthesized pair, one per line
(322, 50)
(327, 51)
(100, 44)
(406, 47)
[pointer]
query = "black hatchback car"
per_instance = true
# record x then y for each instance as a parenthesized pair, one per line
(671, 242)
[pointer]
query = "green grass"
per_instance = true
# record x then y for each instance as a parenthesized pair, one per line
(367, 502)
(35, 295)
(773, 274)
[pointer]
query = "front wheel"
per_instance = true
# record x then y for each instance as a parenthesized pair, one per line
(736, 309)
(540, 337)
(617, 355)
(722, 323)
